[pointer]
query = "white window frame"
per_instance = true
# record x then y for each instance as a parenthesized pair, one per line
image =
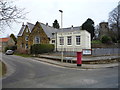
(61, 40)
(35, 40)
(78, 40)
(69, 40)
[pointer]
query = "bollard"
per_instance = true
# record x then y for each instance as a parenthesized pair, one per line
(79, 58)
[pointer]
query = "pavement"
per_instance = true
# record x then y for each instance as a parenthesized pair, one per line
(88, 62)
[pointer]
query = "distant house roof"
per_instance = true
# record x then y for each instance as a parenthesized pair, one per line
(4, 39)
(70, 29)
(30, 26)
(48, 30)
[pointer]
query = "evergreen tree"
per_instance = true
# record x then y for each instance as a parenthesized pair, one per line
(56, 24)
(89, 26)
(14, 38)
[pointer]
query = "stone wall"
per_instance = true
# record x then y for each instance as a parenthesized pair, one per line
(38, 31)
(21, 42)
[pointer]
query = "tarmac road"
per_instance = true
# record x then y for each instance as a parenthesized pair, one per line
(29, 73)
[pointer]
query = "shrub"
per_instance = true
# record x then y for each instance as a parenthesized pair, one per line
(41, 48)
(10, 48)
(106, 39)
(13, 47)
(21, 51)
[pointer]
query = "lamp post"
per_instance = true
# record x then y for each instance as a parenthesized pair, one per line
(61, 18)
(61, 34)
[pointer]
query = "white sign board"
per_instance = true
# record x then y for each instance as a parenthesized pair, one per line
(86, 51)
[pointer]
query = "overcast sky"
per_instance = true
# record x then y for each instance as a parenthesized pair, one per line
(75, 12)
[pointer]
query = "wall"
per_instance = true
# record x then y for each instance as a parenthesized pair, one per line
(21, 42)
(84, 43)
(105, 51)
(38, 31)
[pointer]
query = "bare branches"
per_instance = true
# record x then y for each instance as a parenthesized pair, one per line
(113, 16)
(9, 13)
(114, 20)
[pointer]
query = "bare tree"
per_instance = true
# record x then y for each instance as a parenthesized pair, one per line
(97, 31)
(9, 13)
(114, 20)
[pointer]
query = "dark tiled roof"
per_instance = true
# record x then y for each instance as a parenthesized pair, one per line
(30, 26)
(48, 30)
(21, 30)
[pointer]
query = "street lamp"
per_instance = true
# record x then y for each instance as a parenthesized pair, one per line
(61, 34)
(61, 17)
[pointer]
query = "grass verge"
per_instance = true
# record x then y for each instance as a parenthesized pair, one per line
(23, 55)
(96, 42)
(3, 69)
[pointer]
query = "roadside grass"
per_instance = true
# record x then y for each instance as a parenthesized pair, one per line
(96, 42)
(3, 69)
(23, 55)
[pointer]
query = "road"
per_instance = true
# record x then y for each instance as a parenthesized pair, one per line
(29, 73)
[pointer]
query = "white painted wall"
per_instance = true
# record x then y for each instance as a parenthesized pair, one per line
(85, 41)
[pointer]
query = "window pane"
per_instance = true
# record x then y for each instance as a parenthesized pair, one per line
(69, 40)
(61, 40)
(77, 40)
(26, 38)
(37, 40)
(26, 46)
(53, 41)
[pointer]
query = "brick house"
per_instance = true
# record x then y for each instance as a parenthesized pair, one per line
(23, 37)
(41, 33)
(4, 42)
(34, 34)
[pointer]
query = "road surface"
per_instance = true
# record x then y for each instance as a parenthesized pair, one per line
(29, 73)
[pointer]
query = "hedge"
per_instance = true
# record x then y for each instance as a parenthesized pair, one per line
(41, 48)
(11, 48)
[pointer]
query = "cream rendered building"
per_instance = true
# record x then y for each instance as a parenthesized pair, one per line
(73, 40)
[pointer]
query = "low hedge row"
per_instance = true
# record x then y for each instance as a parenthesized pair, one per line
(41, 48)
(11, 48)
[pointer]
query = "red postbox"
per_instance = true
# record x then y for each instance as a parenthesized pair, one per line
(79, 58)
